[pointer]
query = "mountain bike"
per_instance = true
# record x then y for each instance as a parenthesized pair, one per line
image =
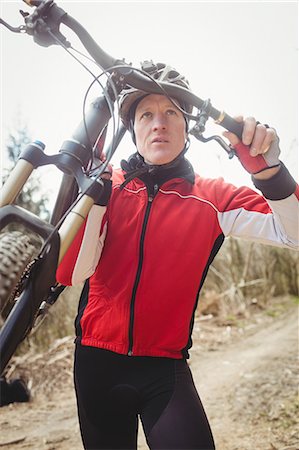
(28, 287)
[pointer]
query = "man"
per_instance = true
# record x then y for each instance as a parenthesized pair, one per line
(145, 258)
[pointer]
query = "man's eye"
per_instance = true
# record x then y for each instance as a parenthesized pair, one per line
(146, 114)
(171, 112)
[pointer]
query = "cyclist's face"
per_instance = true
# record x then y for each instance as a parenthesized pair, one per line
(160, 129)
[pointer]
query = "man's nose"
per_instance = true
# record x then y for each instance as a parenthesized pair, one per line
(159, 122)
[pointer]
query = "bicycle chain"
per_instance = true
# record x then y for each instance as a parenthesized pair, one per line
(20, 285)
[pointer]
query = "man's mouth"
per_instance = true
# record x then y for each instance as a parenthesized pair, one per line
(159, 140)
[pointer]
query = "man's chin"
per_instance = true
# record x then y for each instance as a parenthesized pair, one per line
(159, 158)
(158, 161)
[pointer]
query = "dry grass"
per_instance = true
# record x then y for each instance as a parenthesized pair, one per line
(245, 274)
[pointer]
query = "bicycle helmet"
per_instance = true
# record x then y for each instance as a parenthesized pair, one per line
(132, 96)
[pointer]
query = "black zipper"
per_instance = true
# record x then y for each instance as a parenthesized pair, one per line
(139, 267)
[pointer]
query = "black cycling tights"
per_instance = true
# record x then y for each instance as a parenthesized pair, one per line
(112, 390)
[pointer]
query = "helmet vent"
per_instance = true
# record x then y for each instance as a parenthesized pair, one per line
(173, 74)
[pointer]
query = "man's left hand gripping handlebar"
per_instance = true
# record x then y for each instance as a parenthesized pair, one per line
(259, 150)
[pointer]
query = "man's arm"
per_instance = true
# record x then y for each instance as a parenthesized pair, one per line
(81, 259)
(259, 153)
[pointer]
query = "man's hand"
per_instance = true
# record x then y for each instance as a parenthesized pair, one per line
(106, 179)
(259, 151)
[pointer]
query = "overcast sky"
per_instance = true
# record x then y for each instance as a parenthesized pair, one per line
(241, 55)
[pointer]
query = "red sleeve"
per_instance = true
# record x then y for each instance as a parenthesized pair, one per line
(66, 267)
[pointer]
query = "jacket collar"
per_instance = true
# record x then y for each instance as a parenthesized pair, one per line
(135, 167)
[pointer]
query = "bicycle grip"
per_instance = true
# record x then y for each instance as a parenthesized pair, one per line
(230, 124)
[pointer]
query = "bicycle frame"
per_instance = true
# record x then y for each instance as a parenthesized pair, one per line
(43, 25)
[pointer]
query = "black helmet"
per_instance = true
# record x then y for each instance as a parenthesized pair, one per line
(160, 72)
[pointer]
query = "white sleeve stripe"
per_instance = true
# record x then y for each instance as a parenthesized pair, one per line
(135, 192)
(188, 197)
(91, 245)
(130, 190)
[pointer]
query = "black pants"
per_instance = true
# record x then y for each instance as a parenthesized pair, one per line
(112, 390)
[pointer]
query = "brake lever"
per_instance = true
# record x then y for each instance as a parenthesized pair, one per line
(229, 150)
(43, 24)
(40, 6)
(20, 29)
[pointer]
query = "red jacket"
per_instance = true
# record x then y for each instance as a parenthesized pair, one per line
(144, 281)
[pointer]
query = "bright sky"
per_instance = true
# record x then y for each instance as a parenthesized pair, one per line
(241, 55)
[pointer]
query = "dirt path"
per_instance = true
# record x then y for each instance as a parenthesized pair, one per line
(248, 386)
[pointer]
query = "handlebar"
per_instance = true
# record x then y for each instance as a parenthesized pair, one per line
(43, 24)
(139, 81)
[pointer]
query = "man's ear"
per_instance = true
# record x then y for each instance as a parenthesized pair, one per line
(132, 130)
(187, 143)
(186, 134)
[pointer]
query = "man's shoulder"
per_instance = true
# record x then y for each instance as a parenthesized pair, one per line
(218, 190)
(117, 177)
(209, 184)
